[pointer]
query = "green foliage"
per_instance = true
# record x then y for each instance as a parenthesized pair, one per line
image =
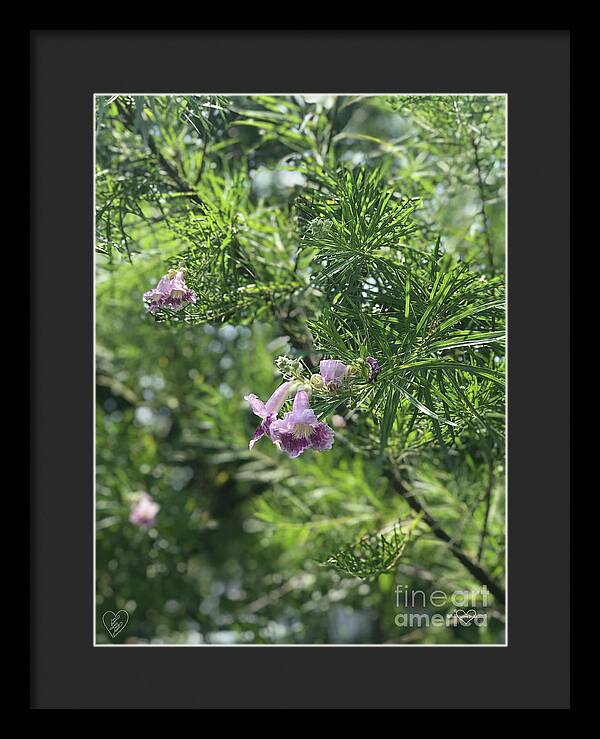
(372, 555)
(435, 326)
(339, 227)
(474, 125)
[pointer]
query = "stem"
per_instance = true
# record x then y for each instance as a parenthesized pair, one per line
(488, 503)
(304, 344)
(127, 120)
(482, 211)
(336, 106)
(469, 564)
(201, 168)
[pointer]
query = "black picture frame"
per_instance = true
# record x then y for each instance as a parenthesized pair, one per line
(66, 69)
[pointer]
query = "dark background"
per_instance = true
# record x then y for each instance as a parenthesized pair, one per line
(66, 69)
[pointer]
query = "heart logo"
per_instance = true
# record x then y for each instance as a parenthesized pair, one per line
(114, 623)
(466, 617)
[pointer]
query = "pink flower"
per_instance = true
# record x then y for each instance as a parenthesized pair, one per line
(332, 371)
(300, 429)
(171, 292)
(144, 511)
(267, 411)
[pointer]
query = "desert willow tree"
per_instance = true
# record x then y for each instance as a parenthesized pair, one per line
(395, 328)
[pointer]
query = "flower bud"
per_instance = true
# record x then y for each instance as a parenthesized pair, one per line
(374, 368)
(317, 382)
(338, 422)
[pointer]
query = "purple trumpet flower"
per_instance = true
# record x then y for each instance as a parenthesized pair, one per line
(332, 371)
(267, 411)
(300, 429)
(171, 292)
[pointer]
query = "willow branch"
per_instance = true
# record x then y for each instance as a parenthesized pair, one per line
(482, 210)
(440, 533)
(488, 503)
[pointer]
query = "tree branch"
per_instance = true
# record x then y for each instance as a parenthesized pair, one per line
(469, 564)
(482, 211)
(336, 106)
(488, 503)
(179, 182)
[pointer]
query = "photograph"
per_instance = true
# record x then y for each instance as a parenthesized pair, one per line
(300, 370)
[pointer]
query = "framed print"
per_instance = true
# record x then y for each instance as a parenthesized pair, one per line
(290, 392)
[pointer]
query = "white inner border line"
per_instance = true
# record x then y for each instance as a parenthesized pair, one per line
(284, 94)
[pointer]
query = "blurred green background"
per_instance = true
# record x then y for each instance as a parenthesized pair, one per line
(223, 563)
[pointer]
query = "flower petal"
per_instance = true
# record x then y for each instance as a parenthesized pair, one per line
(289, 444)
(283, 425)
(303, 418)
(171, 292)
(301, 402)
(144, 512)
(321, 438)
(332, 371)
(263, 428)
(257, 406)
(273, 405)
(164, 286)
